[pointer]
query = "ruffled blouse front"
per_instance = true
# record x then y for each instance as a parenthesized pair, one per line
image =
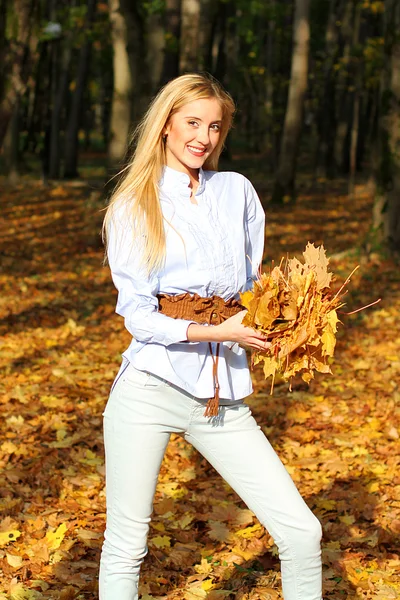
(213, 247)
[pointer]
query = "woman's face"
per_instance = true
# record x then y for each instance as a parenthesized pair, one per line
(192, 134)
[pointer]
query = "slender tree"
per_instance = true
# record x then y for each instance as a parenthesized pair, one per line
(16, 54)
(74, 118)
(122, 94)
(172, 26)
(285, 179)
(387, 198)
(190, 35)
(60, 81)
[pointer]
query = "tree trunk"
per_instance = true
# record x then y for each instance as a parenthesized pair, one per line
(131, 92)
(60, 93)
(155, 51)
(16, 62)
(325, 120)
(269, 90)
(122, 95)
(387, 200)
(208, 9)
(190, 36)
(342, 96)
(356, 107)
(11, 145)
(3, 41)
(71, 137)
(285, 179)
(172, 40)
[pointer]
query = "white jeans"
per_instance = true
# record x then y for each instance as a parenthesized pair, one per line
(140, 415)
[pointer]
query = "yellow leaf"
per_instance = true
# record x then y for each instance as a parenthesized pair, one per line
(207, 584)
(19, 592)
(332, 319)
(14, 561)
(161, 541)
(347, 519)
(185, 521)
(326, 504)
(246, 298)
(328, 341)
(373, 487)
(248, 532)
(246, 554)
(173, 489)
(333, 545)
(378, 469)
(8, 536)
(53, 539)
(204, 568)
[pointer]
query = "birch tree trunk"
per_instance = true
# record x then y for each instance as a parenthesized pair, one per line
(122, 95)
(285, 179)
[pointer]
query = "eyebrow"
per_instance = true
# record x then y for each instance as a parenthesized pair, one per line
(198, 119)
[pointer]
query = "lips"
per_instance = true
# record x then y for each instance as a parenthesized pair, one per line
(196, 151)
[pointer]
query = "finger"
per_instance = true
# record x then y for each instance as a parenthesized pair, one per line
(262, 346)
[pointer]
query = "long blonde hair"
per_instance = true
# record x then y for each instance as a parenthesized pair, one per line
(139, 185)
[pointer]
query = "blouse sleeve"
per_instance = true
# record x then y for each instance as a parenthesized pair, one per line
(137, 292)
(255, 233)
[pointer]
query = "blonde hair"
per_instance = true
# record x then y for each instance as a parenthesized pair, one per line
(139, 185)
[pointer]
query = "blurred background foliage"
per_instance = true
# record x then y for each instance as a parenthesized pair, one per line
(316, 84)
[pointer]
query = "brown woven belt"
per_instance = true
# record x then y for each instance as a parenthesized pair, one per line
(212, 311)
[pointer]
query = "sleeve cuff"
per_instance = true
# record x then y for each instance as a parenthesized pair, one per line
(176, 332)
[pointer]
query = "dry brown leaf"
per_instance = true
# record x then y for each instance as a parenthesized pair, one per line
(296, 309)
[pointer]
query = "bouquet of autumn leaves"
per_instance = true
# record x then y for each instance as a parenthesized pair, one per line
(296, 309)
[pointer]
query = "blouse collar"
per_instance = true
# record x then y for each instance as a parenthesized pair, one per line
(173, 181)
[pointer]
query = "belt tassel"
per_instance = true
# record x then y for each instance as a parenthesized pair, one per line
(212, 406)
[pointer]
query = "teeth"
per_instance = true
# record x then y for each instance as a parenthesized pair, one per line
(196, 150)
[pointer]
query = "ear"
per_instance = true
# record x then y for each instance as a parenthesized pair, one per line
(166, 128)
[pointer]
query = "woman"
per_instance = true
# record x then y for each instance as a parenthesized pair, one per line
(182, 241)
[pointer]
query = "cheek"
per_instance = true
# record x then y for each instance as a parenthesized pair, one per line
(215, 139)
(181, 136)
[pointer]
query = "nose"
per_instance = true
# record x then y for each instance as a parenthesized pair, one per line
(203, 135)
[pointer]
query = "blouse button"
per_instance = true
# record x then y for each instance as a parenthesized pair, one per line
(214, 315)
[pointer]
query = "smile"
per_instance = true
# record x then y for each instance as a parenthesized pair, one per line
(196, 151)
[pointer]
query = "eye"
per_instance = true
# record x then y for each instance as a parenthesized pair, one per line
(216, 127)
(193, 123)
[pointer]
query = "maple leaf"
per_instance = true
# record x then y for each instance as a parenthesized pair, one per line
(295, 309)
(161, 541)
(14, 561)
(219, 531)
(53, 539)
(248, 532)
(8, 531)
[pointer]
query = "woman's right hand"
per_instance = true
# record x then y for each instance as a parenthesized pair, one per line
(233, 330)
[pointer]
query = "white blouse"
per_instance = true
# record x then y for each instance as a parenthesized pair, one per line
(213, 247)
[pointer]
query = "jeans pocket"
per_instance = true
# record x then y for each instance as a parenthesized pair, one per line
(142, 379)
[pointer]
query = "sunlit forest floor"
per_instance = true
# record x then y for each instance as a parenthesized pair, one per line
(60, 348)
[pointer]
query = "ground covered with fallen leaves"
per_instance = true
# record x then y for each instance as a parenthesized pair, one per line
(60, 348)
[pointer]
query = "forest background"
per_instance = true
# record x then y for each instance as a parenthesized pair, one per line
(317, 130)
